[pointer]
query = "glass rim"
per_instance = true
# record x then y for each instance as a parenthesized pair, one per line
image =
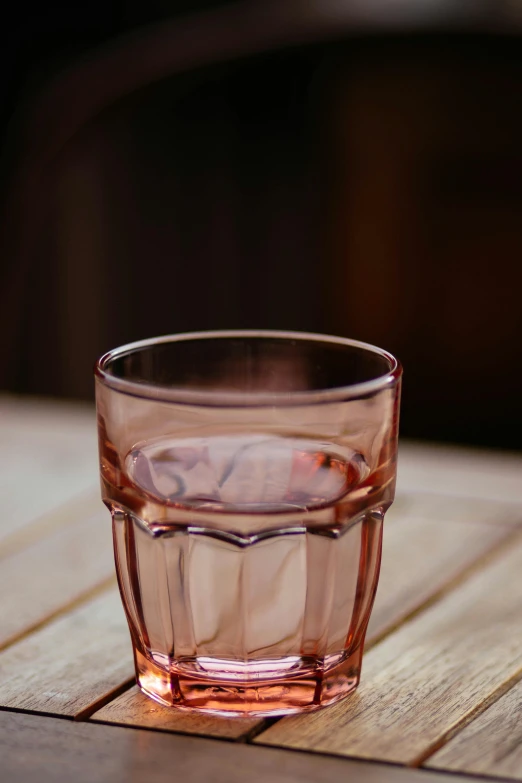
(233, 399)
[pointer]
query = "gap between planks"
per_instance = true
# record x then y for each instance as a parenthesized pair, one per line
(110, 697)
(432, 676)
(34, 747)
(84, 598)
(97, 705)
(463, 573)
(247, 734)
(480, 545)
(71, 664)
(467, 573)
(491, 744)
(467, 719)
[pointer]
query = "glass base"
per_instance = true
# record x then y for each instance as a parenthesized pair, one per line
(263, 688)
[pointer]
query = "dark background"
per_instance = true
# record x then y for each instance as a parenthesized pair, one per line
(368, 183)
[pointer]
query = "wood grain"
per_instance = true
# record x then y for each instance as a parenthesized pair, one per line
(51, 573)
(491, 744)
(67, 666)
(47, 457)
(132, 708)
(427, 677)
(37, 749)
(421, 556)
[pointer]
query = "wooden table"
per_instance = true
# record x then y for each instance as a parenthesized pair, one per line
(441, 691)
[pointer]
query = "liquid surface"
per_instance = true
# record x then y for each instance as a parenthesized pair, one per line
(245, 473)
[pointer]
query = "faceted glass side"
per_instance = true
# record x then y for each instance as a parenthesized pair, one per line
(272, 626)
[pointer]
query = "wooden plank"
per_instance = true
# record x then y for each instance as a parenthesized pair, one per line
(429, 505)
(428, 677)
(460, 472)
(70, 664)
(132, 708)
(48, 455)
(491, 744)
(37, 749)
(82, 506)
(421, 557)
(51, 573)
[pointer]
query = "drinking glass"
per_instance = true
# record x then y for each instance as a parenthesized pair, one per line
(247, 474)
